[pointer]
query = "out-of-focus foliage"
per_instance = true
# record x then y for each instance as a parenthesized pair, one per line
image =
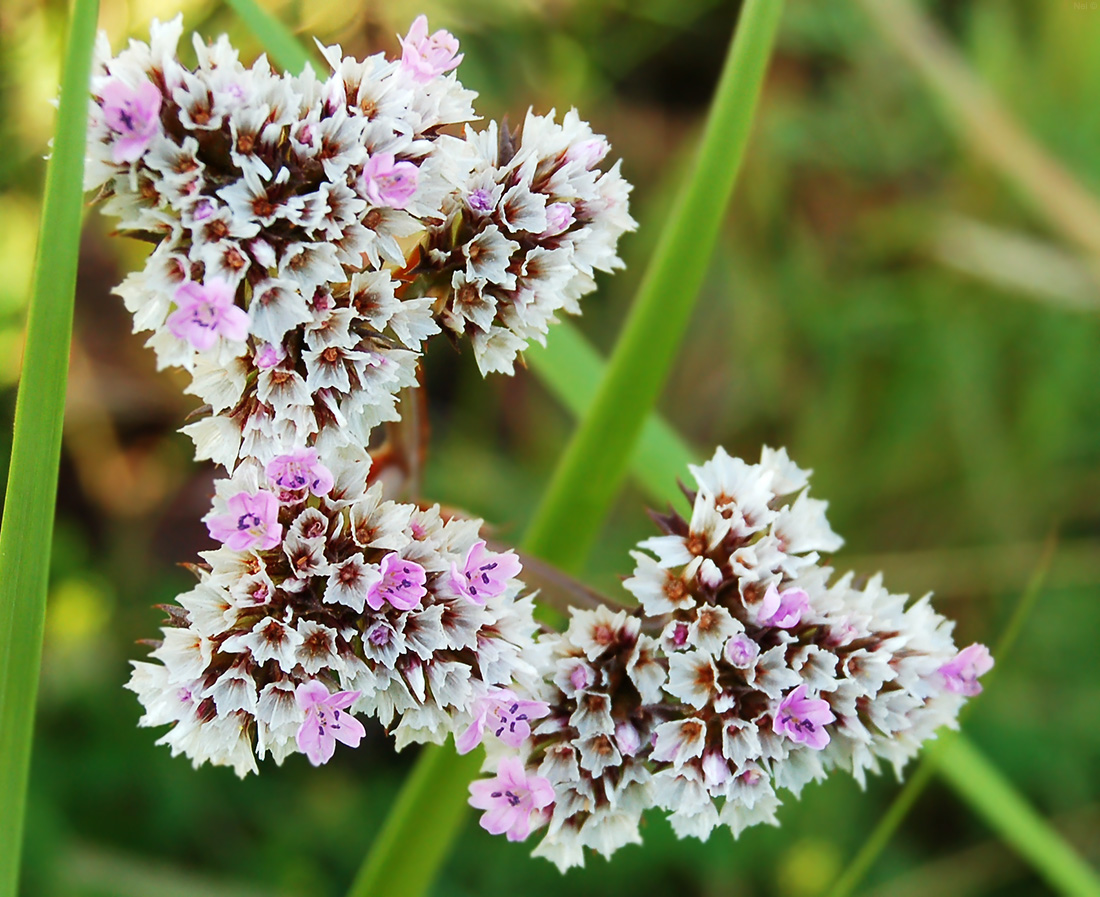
(881, 302)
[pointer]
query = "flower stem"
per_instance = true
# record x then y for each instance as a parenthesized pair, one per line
(27, 528)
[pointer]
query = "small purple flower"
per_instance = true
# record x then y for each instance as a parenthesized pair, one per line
(485, 574)
(326, 722)
(960, 674)
(742, 651)
(205, 312)
(298, 471)
(514, 802)
(401, 584)
(803, 719)
(506, 714)
(252, 522)
(480, 200)
(426, 57)
(134, 114)
(783, 610)
(559, 218)
(269, 356)
(204, 208)
(389, 183)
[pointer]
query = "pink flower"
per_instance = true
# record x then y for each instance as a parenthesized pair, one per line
(742, 651)
(298, 471)
(960, 674)
(133, 114)
(207, 311)
(325, 722)
(252, 522)
(401, 584)
(783, 610)
(269, 356)
(480, 200)
(514, 802)
(427, 57)
(388, 182)
(803, 719)
(507, 715)
(485, 574)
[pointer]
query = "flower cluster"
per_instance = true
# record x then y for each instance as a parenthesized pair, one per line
(522, 239)
(285, 213)
(742, 672)
(298, 267)
(323, 601)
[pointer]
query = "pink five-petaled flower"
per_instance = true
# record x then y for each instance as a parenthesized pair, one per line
(252, 522)
(783, 610)
(326, 722)
(485, 574)
(514, 802)
(426, 56)
(401, 584)
(960, 674)
(298, 471)
(803, 719)
(134, 114)
(207, 311)
(506, 714)
(388, 182)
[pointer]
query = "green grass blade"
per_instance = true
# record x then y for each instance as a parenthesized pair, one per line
(593, 466)
(27, 528)
(416, 837)
(995, 800)
(285, 50)
(571, 368)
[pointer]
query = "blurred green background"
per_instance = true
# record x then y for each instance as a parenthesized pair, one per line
(905, 297)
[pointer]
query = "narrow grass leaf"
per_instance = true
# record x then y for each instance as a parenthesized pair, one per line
(571, 368)
(281, 45)
(997, 802)
(595, 461)
(27, 528)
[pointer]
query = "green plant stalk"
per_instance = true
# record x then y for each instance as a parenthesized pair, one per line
(591, 471)
(289, 53)
(27, 528)
(571, 368)
(993, 798)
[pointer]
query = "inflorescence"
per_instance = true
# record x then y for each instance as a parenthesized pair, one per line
(309, 235)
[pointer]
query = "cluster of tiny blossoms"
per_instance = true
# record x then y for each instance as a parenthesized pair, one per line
(299, 263)
(326, 600)
(741, 672)
(287, 212)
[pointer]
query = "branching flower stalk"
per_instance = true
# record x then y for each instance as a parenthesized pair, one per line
(310, 233)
